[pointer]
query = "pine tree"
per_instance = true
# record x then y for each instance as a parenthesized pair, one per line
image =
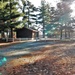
(64, 16)
(27, 8)
(9, 14)
(44, 15)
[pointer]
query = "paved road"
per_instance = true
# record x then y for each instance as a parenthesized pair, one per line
(27, 46)
(18, 50)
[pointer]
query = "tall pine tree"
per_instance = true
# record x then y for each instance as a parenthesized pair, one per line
(9, 14)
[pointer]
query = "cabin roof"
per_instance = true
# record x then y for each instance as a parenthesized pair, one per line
(26, 28)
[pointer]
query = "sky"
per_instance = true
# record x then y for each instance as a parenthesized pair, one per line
(53, 3)
(73, 8)
(38, 2)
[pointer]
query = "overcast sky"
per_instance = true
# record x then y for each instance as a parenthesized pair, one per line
(38, 2)
(53, 3)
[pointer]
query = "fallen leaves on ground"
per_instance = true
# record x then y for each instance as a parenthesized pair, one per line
(57, 59)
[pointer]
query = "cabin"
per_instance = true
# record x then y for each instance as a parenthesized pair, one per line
(26, 33)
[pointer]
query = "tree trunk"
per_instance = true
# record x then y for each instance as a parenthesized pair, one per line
(65, 34)
(69, 34)
(43, 27)
(43, 31)
(11, 32)
(2, 34)
(61, 34)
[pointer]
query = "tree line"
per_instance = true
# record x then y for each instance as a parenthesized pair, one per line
(12, 10)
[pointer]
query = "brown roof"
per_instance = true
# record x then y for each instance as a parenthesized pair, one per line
(27, 28)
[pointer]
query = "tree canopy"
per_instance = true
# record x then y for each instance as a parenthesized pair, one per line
(8, 15)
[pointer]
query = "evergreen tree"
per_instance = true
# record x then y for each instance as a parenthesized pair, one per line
(64, 16)
(44, 15)
(27, 9)
(8, 15)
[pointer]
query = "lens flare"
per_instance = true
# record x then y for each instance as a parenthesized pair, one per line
(3, 60)
(73, 9)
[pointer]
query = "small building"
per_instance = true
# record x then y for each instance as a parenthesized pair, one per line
(26, 33)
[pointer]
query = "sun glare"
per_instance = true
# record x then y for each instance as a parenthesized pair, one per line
(73, 9)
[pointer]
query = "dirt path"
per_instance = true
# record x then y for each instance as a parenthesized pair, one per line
(57, 59)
